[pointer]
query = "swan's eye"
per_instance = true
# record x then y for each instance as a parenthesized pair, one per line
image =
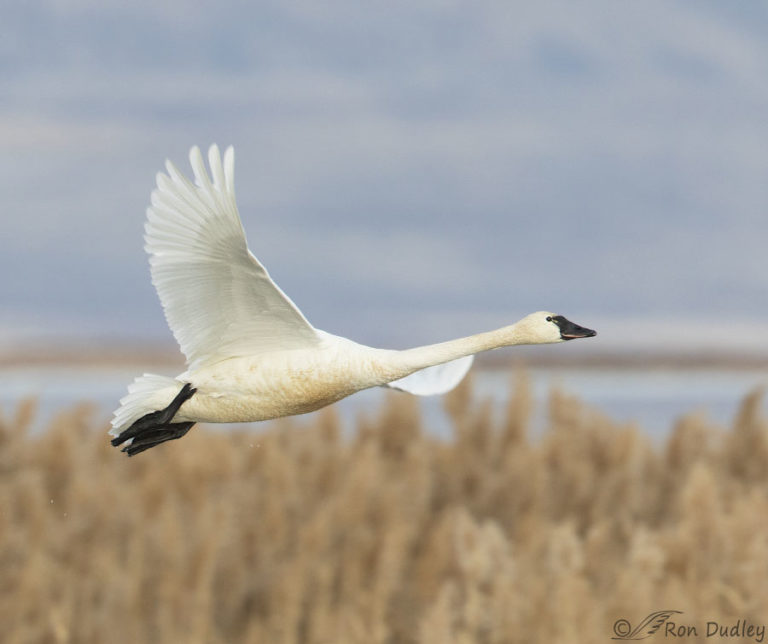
(549, 318)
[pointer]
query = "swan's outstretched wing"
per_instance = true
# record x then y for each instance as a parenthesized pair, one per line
(218, 299)
(434, 380)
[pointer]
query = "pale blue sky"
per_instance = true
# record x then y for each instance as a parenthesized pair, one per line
(408, 171)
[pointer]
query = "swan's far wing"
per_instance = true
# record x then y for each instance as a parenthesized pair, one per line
(434, 380)
(218, 299)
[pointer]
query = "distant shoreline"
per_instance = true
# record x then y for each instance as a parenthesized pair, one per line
(638, 361)
(149, 356)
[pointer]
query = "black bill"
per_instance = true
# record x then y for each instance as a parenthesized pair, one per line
(571, 331)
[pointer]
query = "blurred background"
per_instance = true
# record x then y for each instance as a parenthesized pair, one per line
(408, 171)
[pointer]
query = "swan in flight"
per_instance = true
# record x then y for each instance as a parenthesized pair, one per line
(251, 354)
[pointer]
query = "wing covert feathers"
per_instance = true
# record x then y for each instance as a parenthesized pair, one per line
(219, 301)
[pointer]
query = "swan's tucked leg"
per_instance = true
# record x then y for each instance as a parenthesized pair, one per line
(156, 427)
(154, 437)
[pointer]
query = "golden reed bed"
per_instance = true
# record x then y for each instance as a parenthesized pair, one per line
(301, 535)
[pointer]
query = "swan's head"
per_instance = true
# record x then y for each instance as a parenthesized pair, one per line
(545, 327)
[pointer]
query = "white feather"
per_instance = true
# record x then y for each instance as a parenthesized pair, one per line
(251, 354)
(144, 394)
(435, 380)
(219, 301)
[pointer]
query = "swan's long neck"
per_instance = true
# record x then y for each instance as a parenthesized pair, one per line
(411, 360)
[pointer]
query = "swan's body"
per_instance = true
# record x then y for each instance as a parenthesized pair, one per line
(252, 355)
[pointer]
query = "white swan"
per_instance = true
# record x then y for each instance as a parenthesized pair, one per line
(251, 354)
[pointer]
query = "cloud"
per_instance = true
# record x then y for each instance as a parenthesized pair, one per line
(438, 159)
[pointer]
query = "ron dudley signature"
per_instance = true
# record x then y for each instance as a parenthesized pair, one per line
(667, 623)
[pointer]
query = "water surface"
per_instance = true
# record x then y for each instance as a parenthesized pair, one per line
(653, 399)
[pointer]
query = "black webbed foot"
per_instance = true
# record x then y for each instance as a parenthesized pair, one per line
(156, 427)
(150, 438)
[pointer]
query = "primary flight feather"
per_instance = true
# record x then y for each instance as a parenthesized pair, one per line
(251, 354)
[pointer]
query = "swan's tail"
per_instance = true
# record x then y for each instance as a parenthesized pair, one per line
(146, 394)
(438, 379)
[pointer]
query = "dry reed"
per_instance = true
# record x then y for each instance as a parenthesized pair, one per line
(302, 535)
